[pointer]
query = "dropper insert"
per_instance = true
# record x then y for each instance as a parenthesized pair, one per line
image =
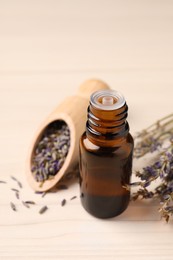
(107, 99)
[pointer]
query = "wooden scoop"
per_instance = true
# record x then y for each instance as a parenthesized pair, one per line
(73, 111)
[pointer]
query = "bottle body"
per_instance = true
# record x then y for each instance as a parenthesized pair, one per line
(106, 150)
(104, 174)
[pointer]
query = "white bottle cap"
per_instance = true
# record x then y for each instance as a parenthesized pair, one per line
(107, 100)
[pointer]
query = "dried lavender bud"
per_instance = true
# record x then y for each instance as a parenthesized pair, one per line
(17, 194)
(16, 190)
(43, 210)
(44, 194)
(143, 194)
(30, 202)
(63, 202)
(25, 204)
(13, 206)
(39, 192)
(18, 182)
(51, 151)
(13, 178)
(74, 197)
(3, 182)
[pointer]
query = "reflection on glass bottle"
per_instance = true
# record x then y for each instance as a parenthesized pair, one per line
(106, 156)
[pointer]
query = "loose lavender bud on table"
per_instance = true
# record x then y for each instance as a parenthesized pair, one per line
(63, 202)
(13, 206)
(43, 209)
(4, 182)
(74, 197)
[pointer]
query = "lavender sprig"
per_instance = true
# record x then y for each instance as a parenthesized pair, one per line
(161, 169)
(152, 138)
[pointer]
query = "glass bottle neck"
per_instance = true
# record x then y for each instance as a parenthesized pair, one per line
(107, 127)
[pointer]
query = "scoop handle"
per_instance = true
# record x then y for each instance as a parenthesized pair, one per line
(89, 86)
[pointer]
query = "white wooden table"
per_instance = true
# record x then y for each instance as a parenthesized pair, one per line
(47, 49)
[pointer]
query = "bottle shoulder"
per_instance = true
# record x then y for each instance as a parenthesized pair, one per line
(126, 144)
(87, 144)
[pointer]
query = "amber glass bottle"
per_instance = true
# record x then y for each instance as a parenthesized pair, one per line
(106, 156)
